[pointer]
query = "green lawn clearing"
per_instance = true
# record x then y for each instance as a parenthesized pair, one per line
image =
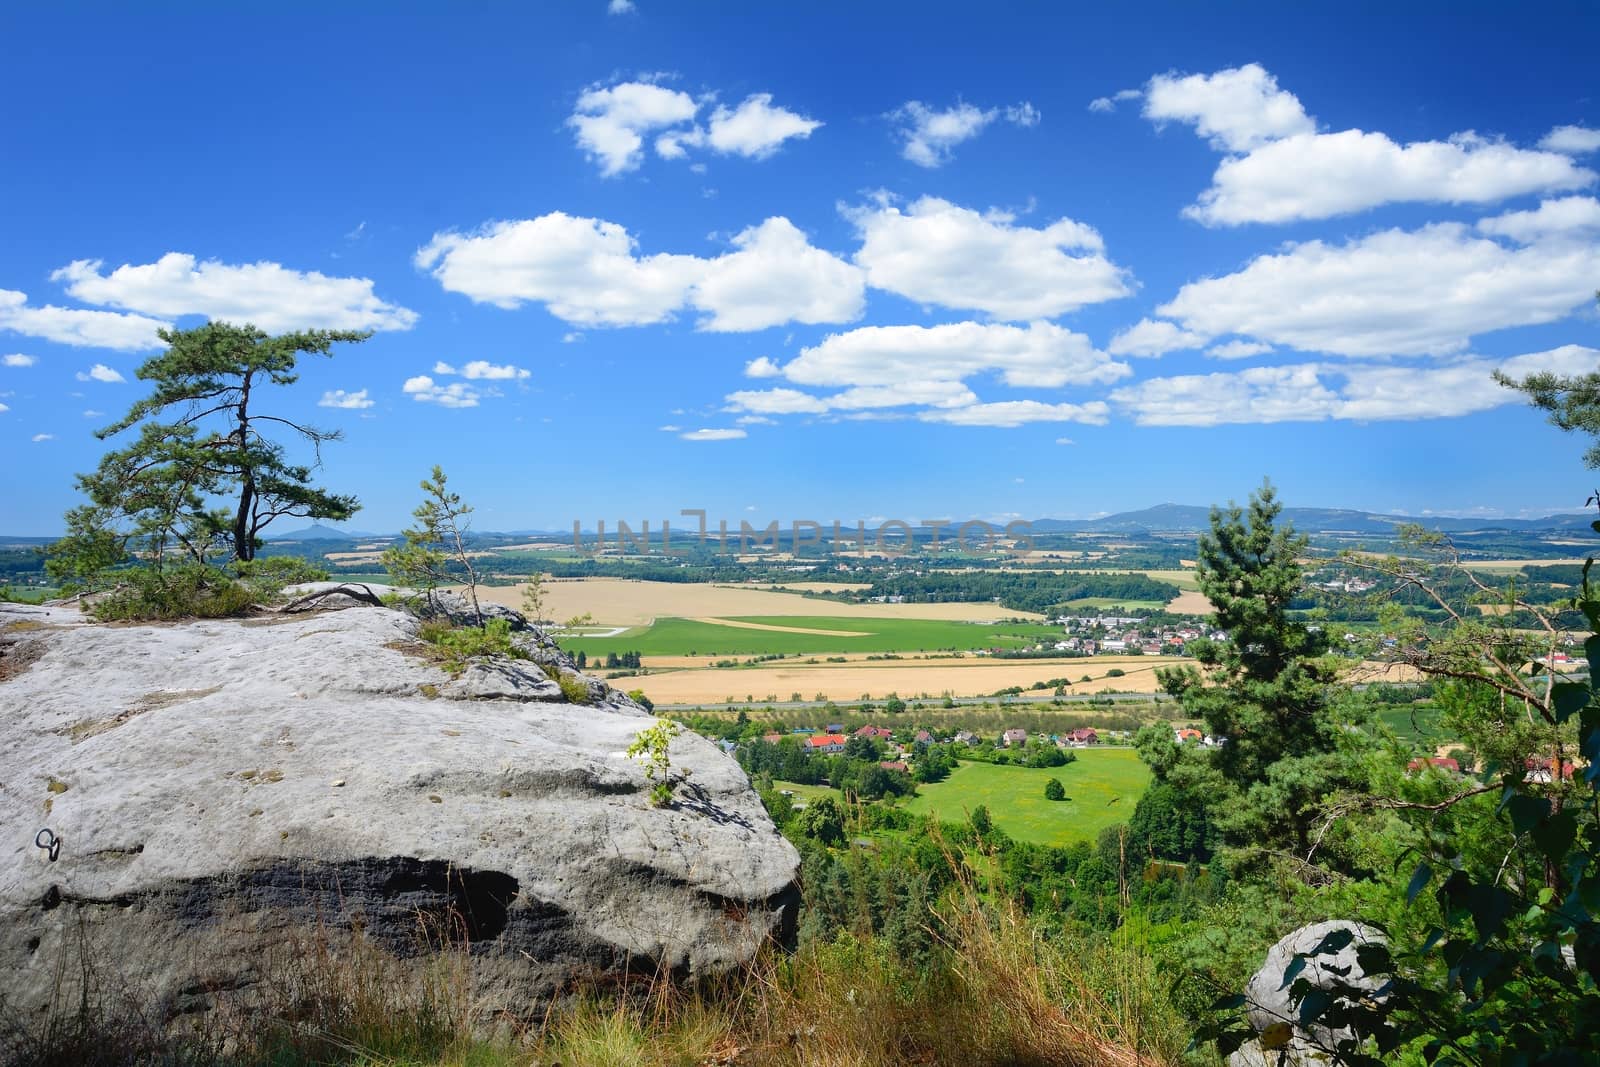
(1102, 785)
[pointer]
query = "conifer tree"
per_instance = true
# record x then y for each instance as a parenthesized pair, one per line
(207, 471)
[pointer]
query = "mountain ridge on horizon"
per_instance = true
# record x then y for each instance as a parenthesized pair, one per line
(1166, 518)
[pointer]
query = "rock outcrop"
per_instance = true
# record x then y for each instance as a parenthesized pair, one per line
(212, 785)
(1271, 1004)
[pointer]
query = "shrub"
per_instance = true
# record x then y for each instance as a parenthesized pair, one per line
(651, 745)
(189, 591)
(459, 645)
(1054, 790)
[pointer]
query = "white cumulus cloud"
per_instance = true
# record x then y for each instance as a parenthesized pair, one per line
(1573, 216)
(1154, 337)
(17, 359)
(78, 326)
(713, 435)
(1237, 349)
(1571, 140)
(1011, 413)
(483, 369)
(38, 437)
(611, 124)
(1279, 168)
(588, 272)
(935, 252)
(1236, 109)
(1393, 293)
(455, 395)
(338, 398)
(266, 294)
(1313, 392)
(99, 373)
(761, 367)
(755, 129)
(930, 135)
(774, 276)
(1316, 176)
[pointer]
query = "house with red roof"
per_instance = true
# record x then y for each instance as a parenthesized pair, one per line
(875, 733)
(827, 743)
(1084, 735)
(895, 765)
(1444, 763)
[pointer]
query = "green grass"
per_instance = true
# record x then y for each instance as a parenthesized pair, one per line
(682, 637)
(1418, 724)
(807, 793)
(1113, 602)
(1102, 786)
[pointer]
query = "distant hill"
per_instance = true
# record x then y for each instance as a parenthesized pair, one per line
(1187, 517)
(318, 532)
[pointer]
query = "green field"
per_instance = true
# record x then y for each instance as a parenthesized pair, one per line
(683, 637)
(1113, 602)
(1419, 725)
(1103, 786)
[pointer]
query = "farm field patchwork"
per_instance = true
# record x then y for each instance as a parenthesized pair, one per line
(1102, 785)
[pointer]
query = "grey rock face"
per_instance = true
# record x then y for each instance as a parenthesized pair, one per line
(1272, 1010)
(214, 784)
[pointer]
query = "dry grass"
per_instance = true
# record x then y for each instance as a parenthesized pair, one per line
(999, 993)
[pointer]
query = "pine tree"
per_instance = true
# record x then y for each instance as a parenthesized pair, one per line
(1266, 687)
(205, 475)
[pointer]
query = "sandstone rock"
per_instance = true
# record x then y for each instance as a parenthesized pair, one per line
(1272, 1009)
(186, 770)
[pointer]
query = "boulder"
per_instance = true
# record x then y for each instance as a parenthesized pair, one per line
(1271, 1007)
(214, 786)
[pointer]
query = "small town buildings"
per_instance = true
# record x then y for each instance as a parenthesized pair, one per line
(826, 743)
(1084, 735)
(1014, 736)
(875, 733)
(1444, 763)
(1187, 734)
(896, 765)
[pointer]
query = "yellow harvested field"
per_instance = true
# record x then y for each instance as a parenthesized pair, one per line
(808, 586)
(1189, 602)
(782, 629)
(531, 546)
(624, 602)
(976, 676)
(847, 681)
(1493, 609)
(1375, 671)
(353, 557)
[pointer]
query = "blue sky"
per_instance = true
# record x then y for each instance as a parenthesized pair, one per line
(821, 261)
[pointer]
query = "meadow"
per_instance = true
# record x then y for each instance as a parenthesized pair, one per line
(1102, 785)
(765, 635)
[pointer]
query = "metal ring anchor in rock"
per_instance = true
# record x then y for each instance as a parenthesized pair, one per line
(48, 841)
